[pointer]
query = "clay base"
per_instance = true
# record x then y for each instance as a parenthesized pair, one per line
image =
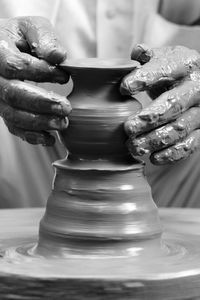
(171, 273)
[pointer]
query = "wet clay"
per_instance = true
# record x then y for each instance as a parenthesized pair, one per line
(100, 194)
(101, 235)
(168, 127)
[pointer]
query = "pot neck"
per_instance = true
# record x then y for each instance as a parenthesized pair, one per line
(98, 77)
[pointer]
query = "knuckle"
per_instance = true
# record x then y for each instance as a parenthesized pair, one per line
(161, 157)
(152, 115)
(181, 128)
(163, 136)
(179, 151)
(169, 155)
(187, 59)
(11, 69)
(182, 50)
(193, 54)
(138, 146)
(174, 105)
(185, 148)
(145, 76)
(194, 140)
(192, 59)
(15, 66)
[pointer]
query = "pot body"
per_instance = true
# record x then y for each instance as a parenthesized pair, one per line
(100, 194)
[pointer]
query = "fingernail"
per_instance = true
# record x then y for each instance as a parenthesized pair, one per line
(131, 86)
(161, 158)
(63, 108)
(31, 138)
(137, 147)
(57, 56)
(62, 79)
(132, 127)
(137, 51)
(66, 106)
(59, 76)
(141, 52)
(141, 146)
(58, 123)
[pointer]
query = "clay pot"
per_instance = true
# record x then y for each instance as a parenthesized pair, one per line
(100, 194)
(100, 237)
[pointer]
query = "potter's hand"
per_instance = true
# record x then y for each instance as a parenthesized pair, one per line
(30, 51)
(168, 128)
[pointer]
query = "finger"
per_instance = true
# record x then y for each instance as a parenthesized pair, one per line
(167, 65)
(31, 98)
(39, 34)
(10, 29)
(179, 151)
(167, 135)
(32, 137)
(164, 109)
(17, 65)
(31, 121)
(142, 53)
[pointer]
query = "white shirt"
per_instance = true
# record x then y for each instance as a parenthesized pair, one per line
(86, 28)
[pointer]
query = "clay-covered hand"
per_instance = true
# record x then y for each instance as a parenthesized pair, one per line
(168, 128)
(30, 51)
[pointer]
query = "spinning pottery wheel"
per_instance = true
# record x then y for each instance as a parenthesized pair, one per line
(101, 236)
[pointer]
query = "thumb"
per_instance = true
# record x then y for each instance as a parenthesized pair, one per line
(141, 53)
(39, 34)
